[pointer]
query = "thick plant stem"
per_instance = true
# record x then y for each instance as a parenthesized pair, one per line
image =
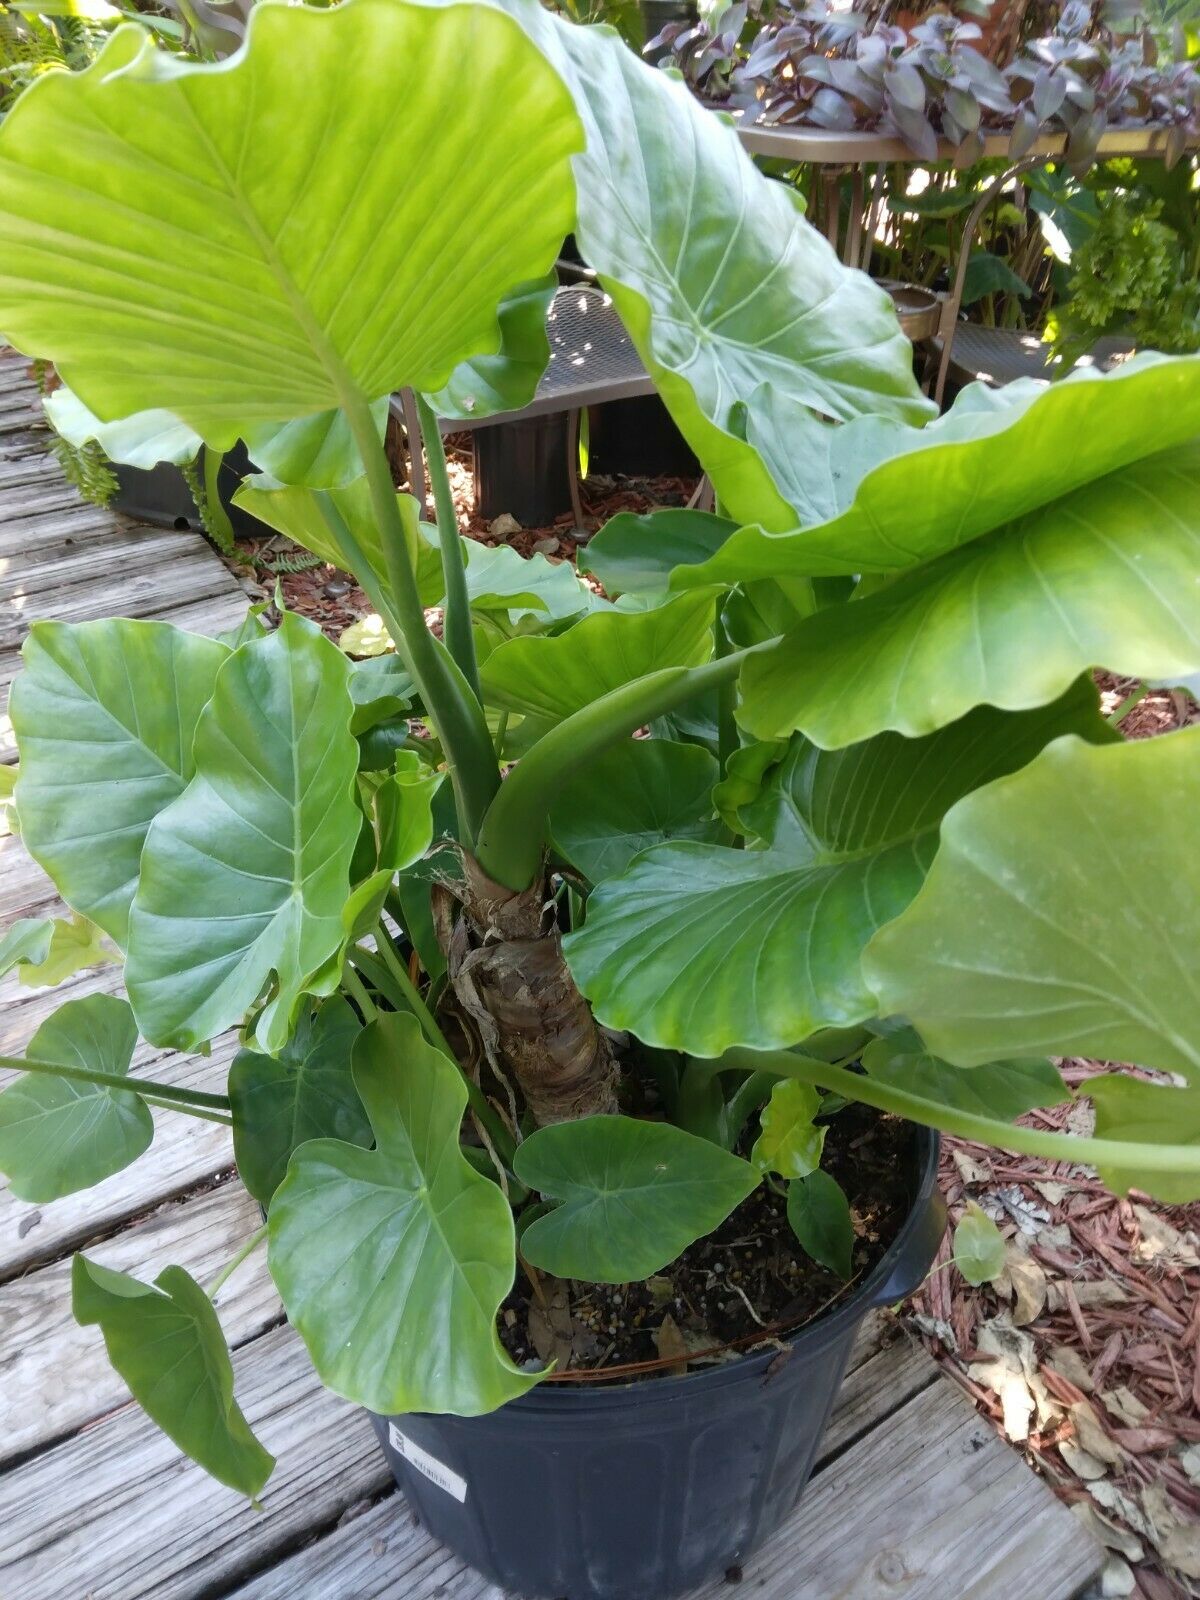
(455, 711)
(510, 843)
(1117, 1153)
(168, 1093)
(456, 626)
(506, 968)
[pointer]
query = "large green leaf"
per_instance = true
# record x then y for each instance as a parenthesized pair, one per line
(306, 1092)
(1106, 576)
(699, 947)
(1131, 1109)
(634, 1195)
(1004, 1090)
(393, 1262)
(315, 452)
(507, 380)
(500, 579)
(551, 678)
(634, 554)
(241, 232)
(723, 285)
(58, 1136)
(885, 497)
(141, 441)
(244, 877)
(1061, 914)
(638, 794)
(104, 715)
(166, 1342)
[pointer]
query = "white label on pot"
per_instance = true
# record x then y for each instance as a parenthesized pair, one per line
(429, 1466)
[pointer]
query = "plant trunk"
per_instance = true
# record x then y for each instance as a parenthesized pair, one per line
(507, 972)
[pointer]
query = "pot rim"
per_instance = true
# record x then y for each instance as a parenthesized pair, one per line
(562, 1397)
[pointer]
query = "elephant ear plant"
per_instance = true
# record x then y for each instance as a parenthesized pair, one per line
(880, 846)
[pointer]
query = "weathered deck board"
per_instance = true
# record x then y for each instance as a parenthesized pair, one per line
(915, 1501)
(116, 1513)
(57, 1377)
(185, 1154)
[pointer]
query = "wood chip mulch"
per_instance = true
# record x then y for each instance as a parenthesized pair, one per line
(1086, 1353)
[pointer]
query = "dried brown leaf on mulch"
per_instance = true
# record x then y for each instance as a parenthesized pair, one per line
(1086, 1352)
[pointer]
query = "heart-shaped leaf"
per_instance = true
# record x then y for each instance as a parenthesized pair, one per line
(507, 380)
(638, 794)
(1105, 576)
(699, 947)
(819, 1213)
(637, 554)
(1148, 1113)
(875, 496)
(393, 1262)
(58, 1136)
(244, 877)
(141, 441)
(978, 1246)
(316, 452)
(1003, 1090)
(306, 1092)
(166, 1342)
(1008, 949)
(723, 285)
(551, 678)
(790, 1142)
(634, 1195)
(239, 234)
(104, 715)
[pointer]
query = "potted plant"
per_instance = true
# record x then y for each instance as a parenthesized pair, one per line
(536, 1037)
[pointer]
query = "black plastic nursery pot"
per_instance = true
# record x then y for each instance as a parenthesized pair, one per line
(521, 468)
(160, 495)
(641, 1491)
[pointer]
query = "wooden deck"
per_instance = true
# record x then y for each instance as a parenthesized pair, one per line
(915, 1498)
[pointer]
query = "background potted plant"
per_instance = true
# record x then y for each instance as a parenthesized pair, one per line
(600, 1005)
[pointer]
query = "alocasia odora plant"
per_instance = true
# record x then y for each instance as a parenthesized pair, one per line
(880, 843)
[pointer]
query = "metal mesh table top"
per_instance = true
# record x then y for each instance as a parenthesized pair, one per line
(999, 355)
(592, 359)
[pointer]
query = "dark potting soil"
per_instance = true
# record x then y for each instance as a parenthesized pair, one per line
(734, 1290)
